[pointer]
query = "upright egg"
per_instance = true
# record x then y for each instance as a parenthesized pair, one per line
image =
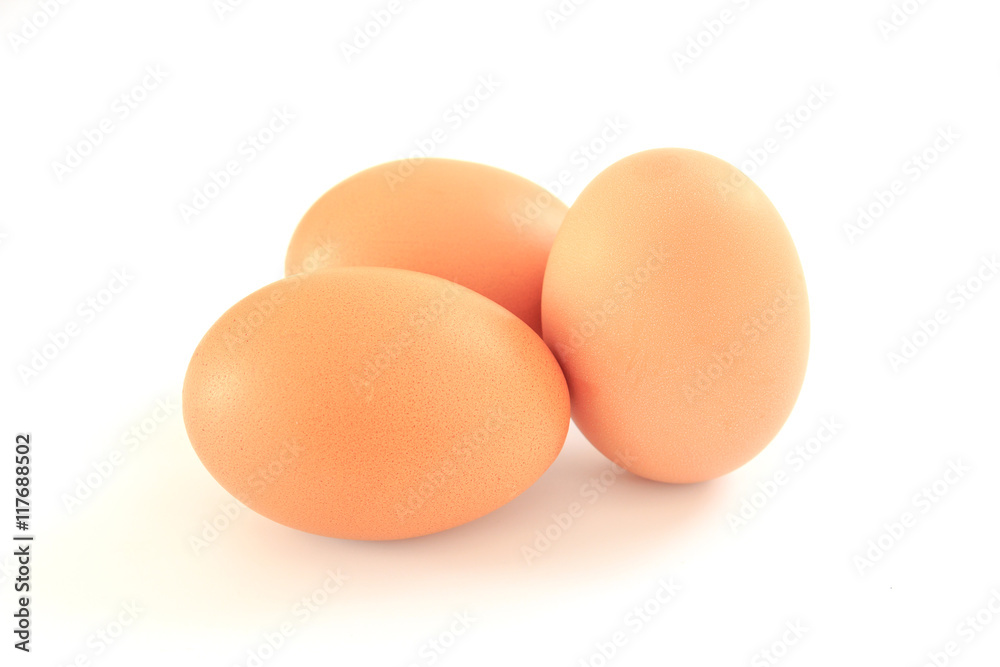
(373, 403)
(479, 226)
(676, 305)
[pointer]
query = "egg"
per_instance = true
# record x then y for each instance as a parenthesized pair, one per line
(373, 403)
(676, 305)
(482, 227)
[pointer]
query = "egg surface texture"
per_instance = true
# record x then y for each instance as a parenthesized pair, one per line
(479, 226)
(676, 304)
(373, 403)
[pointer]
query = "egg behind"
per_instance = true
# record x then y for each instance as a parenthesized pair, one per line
(373, 403)
(482, 227)
(676, 304)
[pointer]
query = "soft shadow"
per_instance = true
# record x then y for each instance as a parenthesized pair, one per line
(255, 565)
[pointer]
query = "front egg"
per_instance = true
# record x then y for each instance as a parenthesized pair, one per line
(385, 403)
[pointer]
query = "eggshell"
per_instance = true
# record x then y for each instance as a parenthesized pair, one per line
(479, 226)
(373, 403)
(675, 303)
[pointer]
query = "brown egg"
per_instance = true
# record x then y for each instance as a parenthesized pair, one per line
(373, 403)
(479, 226)
(675, 302)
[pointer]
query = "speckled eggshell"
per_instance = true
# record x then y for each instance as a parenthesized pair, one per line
(675, 303)
(482, 227)
(373, 403)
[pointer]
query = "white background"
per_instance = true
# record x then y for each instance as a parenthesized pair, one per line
(795, 559)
